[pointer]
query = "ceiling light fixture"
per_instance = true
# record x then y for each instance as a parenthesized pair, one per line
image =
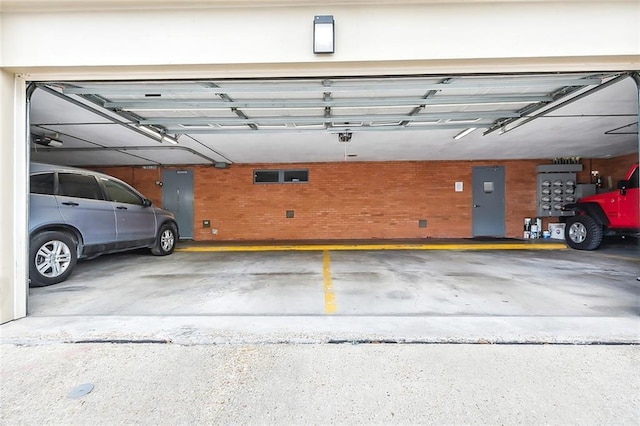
(464, 133)
(155, 134)
(151, 132)
(170, 139)
(323, 34)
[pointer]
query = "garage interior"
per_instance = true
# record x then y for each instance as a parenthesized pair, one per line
(377, 141)
(382, 160)
(363, 158)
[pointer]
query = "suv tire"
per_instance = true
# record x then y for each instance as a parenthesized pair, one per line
(52, 257)
(583, 233)
(166, 240)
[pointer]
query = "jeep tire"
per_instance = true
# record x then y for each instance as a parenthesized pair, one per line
(582, 232)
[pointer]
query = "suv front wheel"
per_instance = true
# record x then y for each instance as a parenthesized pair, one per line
(166, 241)
(583, 233)
(52, 257)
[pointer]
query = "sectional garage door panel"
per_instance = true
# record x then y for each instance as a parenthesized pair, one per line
(389, 118)
(111, 156)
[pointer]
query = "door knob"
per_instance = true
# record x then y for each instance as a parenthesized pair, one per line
(476, 205)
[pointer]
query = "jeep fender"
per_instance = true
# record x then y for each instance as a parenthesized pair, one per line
(590, 209)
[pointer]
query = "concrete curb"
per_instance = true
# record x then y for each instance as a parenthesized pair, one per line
(238, 330)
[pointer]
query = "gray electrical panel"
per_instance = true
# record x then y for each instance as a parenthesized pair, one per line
(554, 191)
(556, 186)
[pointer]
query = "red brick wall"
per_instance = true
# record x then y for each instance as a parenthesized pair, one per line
(610, 169)
(341, 201)
(348, 200)
(614, 168)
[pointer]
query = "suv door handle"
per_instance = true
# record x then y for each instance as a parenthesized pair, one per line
(70, 203)
(121, 208)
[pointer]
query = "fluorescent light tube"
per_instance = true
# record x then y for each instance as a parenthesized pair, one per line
(464, 133)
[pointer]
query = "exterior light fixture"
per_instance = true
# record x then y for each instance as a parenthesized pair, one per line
(323, 34)
(464, 133)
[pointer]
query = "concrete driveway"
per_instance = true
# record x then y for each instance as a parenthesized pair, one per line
(346, 384)
(408, 295)
(199, 339)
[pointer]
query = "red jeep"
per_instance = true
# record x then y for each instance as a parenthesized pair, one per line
(614, 212)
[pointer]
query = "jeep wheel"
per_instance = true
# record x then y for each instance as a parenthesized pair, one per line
(583, 233)
(166, 241)
(52, 257)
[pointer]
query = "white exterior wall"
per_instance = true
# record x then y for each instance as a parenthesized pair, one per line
(13, 190)
(114, 39)
(376, 37)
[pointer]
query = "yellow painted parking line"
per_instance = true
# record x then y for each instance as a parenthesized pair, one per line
(335, 247)
(330, 305)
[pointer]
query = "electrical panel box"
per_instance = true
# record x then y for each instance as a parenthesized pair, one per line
(553, 191)
(556, 186)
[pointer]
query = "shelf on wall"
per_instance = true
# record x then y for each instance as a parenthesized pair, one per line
(555, 168)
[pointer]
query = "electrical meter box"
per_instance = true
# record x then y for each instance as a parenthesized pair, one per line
(556, 186)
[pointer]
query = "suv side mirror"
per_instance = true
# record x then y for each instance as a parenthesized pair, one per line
(622, 186)
(146, 202)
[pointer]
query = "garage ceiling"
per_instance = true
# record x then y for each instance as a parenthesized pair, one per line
(392, 118)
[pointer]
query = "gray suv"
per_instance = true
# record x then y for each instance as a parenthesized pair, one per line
(75, 214)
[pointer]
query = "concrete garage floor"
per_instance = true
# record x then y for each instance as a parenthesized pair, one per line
(244, 338)
(482, 294)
